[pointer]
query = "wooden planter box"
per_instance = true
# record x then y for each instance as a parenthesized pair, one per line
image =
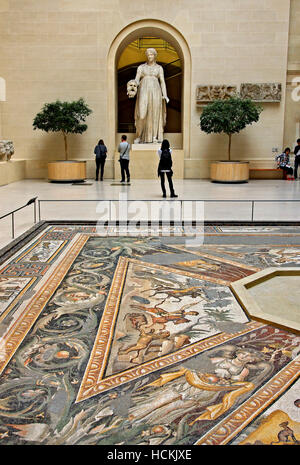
(229, 171)
(67, 171)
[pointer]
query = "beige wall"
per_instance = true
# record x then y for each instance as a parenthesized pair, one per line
(2, 99)
(58, 49)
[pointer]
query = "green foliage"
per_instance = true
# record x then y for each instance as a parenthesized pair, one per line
(229, 116)
(65, 117)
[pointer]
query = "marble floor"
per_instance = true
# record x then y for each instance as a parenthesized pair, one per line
(235, 205)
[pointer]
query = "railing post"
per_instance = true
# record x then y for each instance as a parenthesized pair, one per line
(12, 225)
(181, 212)
(252, 212)
(39, 205)
(34, 212)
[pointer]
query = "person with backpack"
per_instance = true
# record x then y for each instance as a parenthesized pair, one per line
(101, 152)
(165, 167)
(123, 149)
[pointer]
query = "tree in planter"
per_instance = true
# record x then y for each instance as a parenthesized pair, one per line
(65, 117)
(229, 116)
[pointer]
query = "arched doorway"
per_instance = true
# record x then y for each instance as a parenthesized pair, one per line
(162, 31)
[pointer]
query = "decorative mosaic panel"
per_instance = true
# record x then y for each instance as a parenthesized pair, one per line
(116, 339)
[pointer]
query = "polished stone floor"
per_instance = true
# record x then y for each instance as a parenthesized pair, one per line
(223, 202)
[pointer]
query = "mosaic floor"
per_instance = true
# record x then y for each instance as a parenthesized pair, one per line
(118, 339)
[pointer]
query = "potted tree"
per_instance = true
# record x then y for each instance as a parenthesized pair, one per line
(66, 118)
(229, 116)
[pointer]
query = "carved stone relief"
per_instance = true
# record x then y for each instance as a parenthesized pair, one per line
(6, 149)
(209, 93)
(265, 92)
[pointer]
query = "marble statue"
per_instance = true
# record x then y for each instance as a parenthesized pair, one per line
(151, 97)
(6, 148)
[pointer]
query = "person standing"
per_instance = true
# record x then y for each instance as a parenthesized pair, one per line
(124, 149)
(165, 167)
(297, 158)
(101, 152)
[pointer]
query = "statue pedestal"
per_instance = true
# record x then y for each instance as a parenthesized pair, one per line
(139, 147)
(144, 162)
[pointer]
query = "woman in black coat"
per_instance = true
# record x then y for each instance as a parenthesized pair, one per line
(165, 167)
(101, 153)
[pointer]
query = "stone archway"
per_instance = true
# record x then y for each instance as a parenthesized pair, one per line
(130, 33)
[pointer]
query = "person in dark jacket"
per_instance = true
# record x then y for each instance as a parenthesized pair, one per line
(165, 167)
(101, 153)
(297, 158)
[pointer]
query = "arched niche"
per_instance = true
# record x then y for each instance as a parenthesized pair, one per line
(133, 56)
(135, 31)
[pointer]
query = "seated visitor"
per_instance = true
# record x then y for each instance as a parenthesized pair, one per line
(283, 162)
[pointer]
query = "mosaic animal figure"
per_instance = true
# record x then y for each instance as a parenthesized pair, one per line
(286, 434)
(146, 336)
(159, 315)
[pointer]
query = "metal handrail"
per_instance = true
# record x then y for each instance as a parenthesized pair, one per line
(252, 201)
(12, 214)
(35, 201)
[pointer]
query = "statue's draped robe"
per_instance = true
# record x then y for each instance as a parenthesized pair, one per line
(150, 107)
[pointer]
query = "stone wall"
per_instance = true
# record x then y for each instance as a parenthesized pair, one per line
(58, 49)
(2, 99)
